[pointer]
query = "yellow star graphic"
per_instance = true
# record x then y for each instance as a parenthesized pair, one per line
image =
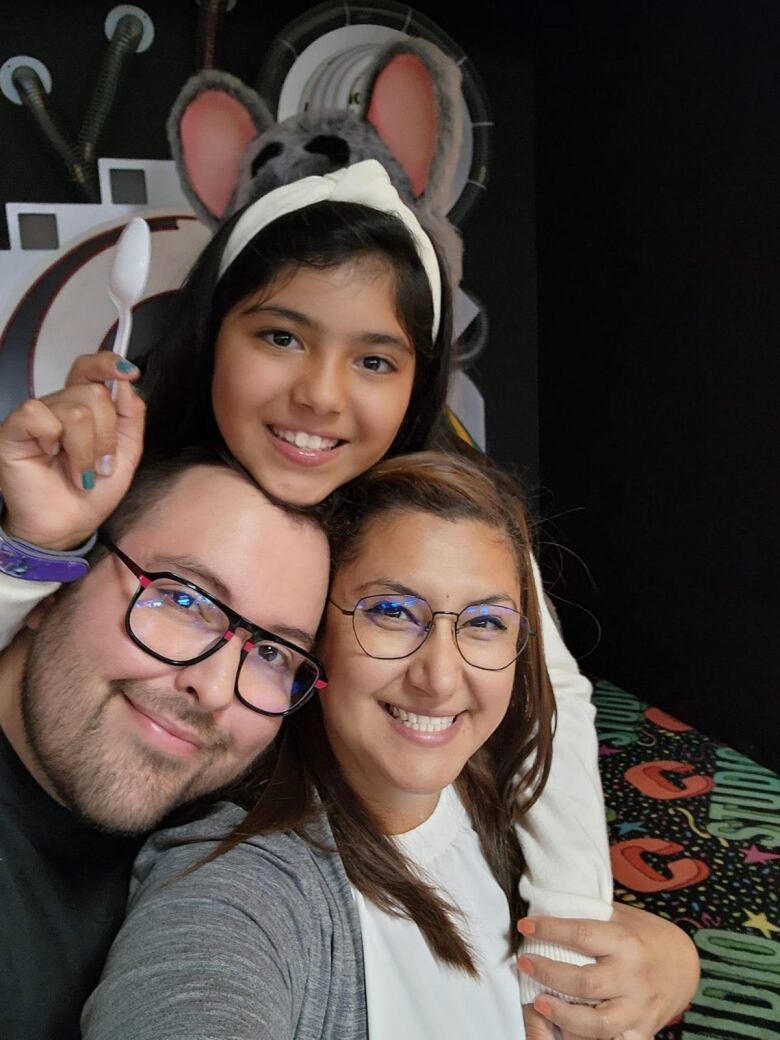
(760, 922)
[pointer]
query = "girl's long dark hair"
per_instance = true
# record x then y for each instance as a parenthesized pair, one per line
(179, 370)
(299, 776)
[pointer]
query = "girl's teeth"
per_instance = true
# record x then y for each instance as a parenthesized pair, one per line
(308, 441)
(421, 723)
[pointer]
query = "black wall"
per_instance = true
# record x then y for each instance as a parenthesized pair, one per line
(659, 309)
(649, 223)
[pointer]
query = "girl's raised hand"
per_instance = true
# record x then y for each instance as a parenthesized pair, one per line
(646, 972)
(100, 368)
(67, 459)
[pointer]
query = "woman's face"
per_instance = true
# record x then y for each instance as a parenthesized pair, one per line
(313, 377)
(402, 730)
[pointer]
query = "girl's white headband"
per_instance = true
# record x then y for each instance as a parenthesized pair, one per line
(365, 182)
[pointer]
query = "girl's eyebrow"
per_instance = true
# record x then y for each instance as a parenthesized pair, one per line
(375, 339)
(384, 339)
(281, 312)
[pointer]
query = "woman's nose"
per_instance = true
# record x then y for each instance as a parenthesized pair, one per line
(436, 669)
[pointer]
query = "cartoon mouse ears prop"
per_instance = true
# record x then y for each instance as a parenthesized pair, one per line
(229, 149)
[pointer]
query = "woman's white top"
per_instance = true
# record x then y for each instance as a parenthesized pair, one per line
(412, 995)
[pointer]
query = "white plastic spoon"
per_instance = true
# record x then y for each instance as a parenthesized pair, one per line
(127, 279)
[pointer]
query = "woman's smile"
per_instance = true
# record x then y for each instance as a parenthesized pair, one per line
(431, 731)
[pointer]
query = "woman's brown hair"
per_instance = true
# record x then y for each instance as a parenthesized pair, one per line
(299, 776)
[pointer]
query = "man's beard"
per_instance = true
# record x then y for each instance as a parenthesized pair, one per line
(112, 782)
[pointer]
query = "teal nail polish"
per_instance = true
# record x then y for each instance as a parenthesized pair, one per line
(87, 479)
(125, 366)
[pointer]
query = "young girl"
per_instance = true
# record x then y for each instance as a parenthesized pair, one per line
(372, 890)
(311, 340)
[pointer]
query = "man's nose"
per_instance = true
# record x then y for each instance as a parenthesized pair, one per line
(211, 683)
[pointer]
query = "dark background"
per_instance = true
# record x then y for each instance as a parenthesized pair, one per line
(627, 254)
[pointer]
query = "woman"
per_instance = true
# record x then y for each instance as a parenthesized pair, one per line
(311, 340)
(372, 889)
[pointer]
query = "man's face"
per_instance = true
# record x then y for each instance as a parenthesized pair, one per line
(122, 738)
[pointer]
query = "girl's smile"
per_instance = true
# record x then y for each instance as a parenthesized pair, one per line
(305, 449)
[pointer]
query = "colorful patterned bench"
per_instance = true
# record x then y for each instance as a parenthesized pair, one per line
(695, 837)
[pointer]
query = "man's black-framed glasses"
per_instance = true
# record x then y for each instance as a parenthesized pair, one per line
(176, 621)
(392, 626)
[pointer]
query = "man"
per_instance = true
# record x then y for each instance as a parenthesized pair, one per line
(102, 736)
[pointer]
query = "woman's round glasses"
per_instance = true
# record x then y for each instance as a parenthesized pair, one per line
(178, 622)
(390, 627)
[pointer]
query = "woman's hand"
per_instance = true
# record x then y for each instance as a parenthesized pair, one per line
(67, 459)
(646, 972)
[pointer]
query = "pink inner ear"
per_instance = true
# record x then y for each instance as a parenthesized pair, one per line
(404, 113)
(215, 129)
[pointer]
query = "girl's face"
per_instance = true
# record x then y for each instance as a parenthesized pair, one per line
(313, 377)
(402, 730)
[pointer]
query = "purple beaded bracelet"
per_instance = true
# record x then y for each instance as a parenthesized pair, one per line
(19, 559)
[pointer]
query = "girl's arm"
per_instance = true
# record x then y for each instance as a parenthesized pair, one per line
(646, 971)
(50, 471)
(17, 599)
(564, 835)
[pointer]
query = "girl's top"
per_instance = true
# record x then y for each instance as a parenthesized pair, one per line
(412, 994)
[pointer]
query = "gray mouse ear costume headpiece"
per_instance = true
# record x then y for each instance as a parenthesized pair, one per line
(229, 150)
